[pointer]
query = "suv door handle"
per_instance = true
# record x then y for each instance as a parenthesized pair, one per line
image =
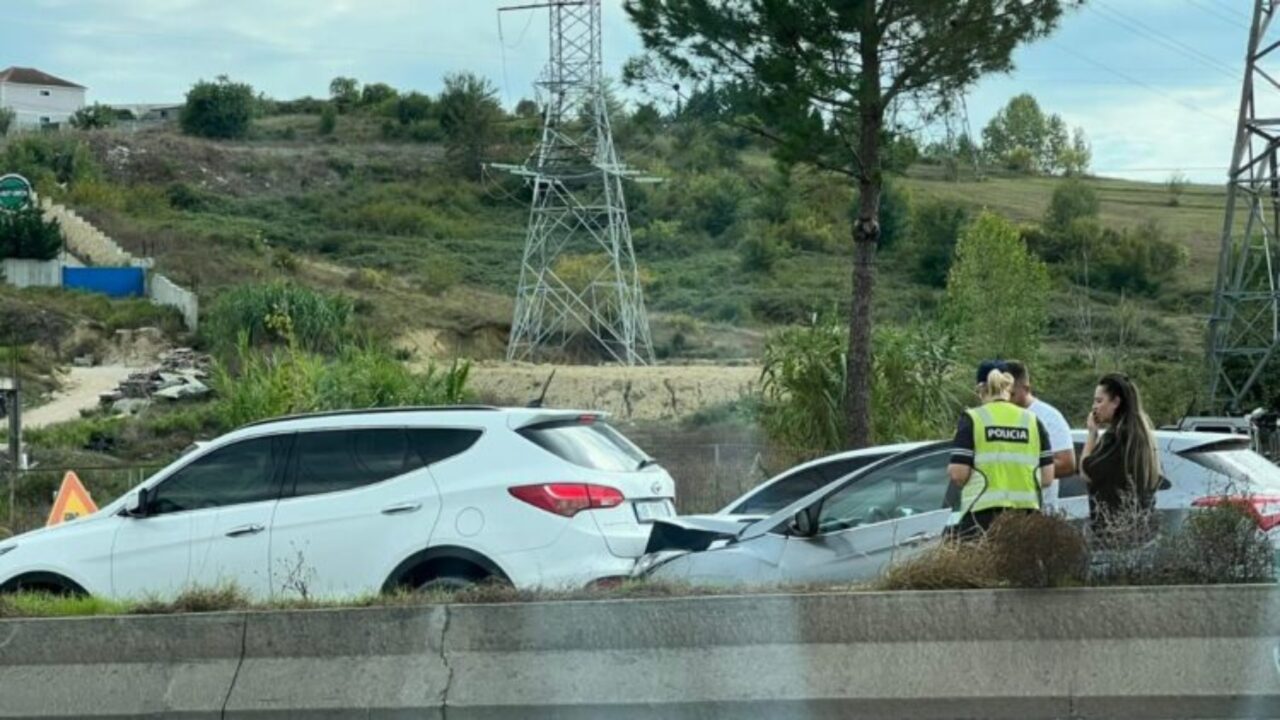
(244, 530)
(402, 508)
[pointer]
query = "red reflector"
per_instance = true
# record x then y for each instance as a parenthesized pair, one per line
(567, 499)
(587, 419)
(1264, 510)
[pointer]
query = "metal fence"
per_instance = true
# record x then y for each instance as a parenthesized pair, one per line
(34, 491)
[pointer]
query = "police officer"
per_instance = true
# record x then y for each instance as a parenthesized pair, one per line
(1001, 458)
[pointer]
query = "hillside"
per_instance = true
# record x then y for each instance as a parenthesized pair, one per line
(431, 259)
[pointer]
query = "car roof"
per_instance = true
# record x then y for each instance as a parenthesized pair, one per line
(892, 449)
(1183, 440)
(762, 526)
(484, 416)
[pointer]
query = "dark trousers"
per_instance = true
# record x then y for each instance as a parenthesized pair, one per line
(976, 524)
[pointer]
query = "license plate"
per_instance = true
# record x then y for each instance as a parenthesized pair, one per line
(650, 510)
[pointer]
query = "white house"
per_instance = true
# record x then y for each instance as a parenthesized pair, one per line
(38, 98)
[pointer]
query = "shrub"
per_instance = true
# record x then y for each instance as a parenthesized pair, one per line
(258, 385)
(1072, 199)
(376, 94)
(50, 160)
(328, 120)
(915, 392)
(182, 196)
(25, 234)
(760, 250)
(934, 232)
(997, 291)
(6, 120)
(412, 108)
(93, 117)
(1215, 545)
(1033, 550)
(273, 313)
(1177, 185)
(948, 566)
(220, 109)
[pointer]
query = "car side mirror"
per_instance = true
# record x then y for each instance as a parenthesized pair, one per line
(136, 505)
(803, 524)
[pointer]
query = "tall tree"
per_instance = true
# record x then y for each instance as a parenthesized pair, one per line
(469, 115)
(824, 76)
(997, 291)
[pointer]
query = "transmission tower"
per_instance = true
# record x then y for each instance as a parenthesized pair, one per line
(578, 273)
(1244, 329)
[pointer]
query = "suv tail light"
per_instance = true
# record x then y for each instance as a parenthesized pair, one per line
(1264, 510)
(567, 499)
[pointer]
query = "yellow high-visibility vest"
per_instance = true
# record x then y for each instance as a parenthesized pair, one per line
(1006, 459)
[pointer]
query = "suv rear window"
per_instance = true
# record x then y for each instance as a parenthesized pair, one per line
(1239, 463)
(588, 443)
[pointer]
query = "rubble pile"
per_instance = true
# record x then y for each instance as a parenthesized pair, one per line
(182, 374)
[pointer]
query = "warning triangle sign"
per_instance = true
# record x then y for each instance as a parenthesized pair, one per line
(73, 501)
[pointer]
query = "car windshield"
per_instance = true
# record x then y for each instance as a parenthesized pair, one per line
(589, 443)
(1241, 465)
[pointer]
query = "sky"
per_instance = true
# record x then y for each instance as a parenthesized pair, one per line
(1154, 83)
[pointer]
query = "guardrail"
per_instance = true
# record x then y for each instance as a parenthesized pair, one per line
(1127, 652)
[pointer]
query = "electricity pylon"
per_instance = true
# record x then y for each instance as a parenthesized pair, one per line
(578, 273)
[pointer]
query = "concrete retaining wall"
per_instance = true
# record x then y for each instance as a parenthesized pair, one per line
(32, 273)
(1139, 653)
(164, 291)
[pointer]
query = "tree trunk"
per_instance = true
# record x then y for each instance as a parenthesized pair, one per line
(866, 235)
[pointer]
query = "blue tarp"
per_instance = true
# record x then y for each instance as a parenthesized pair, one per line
(115, 282)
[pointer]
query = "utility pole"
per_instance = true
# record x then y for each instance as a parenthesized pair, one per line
(578, 212)
(1244, 328)
(11, 394)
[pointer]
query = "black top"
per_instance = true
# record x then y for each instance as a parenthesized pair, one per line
(1111, 488)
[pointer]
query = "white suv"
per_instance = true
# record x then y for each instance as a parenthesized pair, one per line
(350, 503)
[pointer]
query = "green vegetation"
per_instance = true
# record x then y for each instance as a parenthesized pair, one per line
(916, 392)
(25, 234)
(94, 117)
(220, 109)
(997, 292)
(6, 120)
(275, 313)
(1023, 138)
(258, 385)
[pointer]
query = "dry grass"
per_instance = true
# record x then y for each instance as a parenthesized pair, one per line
(1020, 551)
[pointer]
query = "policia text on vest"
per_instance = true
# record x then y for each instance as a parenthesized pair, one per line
(1001, 460)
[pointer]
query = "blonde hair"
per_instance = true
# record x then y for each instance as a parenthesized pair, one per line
(999, 386)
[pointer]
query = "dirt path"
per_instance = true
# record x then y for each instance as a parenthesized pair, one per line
(80, 390)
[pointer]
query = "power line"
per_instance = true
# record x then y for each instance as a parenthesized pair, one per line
(1143, 30)
(1134, 81)
(1234, 22)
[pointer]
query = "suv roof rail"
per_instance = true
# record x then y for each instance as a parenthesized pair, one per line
(374, 411)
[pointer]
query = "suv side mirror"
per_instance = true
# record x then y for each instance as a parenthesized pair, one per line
(136, 505)
(803, 523)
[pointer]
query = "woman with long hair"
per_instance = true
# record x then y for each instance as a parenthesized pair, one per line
(1121, 465)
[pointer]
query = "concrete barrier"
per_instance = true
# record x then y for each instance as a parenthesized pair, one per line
(1139, 653)
(164, 291)
(31, 273)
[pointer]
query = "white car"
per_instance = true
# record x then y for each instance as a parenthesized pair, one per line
(350, 503)
(853, 528)
(789, 486)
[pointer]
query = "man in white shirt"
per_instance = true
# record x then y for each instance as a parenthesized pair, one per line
(1064, 450)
